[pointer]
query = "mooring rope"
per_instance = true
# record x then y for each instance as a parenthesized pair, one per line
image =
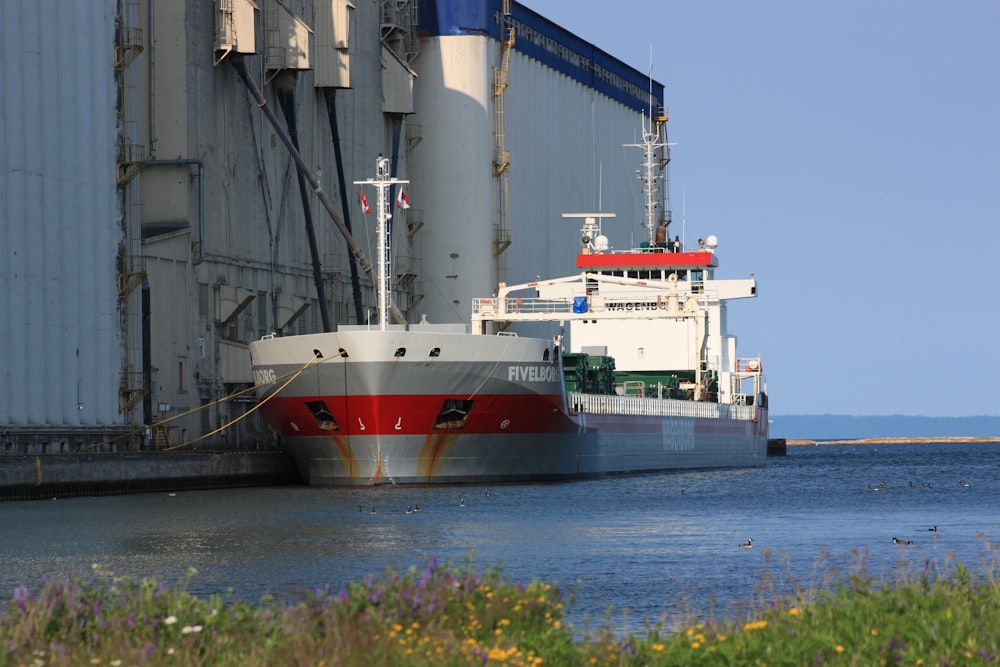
(291, 375)
(252, 410)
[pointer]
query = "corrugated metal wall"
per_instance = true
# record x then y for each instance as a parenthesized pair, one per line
(60, 346)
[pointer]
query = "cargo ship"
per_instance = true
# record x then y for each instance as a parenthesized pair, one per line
(636, 371)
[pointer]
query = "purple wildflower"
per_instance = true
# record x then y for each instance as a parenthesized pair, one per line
(21, 595)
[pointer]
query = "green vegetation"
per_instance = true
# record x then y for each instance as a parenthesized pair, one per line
(459, 615)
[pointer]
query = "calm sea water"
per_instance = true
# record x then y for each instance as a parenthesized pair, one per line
(633, 548)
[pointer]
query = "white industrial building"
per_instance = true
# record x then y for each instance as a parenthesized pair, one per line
(154, 222)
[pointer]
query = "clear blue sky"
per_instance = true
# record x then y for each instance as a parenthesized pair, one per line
(848, 153)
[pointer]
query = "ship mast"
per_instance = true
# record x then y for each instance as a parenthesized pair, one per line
(382, 182)
(655, 156)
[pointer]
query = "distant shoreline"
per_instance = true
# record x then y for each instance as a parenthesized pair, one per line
(894, 441)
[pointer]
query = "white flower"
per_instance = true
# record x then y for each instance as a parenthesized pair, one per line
(188, 629)
(170, 620)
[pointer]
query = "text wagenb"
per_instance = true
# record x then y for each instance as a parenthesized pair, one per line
(635, 305)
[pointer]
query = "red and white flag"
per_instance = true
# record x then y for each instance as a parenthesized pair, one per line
(364, 202)
(402, 201)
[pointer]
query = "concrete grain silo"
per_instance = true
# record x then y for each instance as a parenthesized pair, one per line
(154, 221)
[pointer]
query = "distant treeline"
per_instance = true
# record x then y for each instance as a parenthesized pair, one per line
(847, 427)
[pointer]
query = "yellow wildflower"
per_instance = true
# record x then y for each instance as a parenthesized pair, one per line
(756, 625)
(839, 649)
(793, 611)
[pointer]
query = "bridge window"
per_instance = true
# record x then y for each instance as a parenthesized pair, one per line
(697, 281)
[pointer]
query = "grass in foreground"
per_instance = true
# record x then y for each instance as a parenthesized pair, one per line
(456, 615)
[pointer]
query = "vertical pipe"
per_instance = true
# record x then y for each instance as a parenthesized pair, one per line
(330, 95)
(284, 88)
(147, 354)
(397, 133)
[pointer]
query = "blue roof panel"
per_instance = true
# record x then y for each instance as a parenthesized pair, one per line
(546, 42)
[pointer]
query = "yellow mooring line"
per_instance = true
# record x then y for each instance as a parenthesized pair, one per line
(290, 375)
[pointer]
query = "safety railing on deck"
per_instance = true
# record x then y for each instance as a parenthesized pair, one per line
(615, 301)
(657, 407)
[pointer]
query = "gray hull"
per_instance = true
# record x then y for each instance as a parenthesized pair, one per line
(382, 420)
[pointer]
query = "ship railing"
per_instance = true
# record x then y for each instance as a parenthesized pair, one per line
(657, 407)
(527, 306)
(618, 304)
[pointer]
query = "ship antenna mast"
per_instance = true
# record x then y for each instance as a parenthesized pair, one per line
(655, 157)
(382, 182)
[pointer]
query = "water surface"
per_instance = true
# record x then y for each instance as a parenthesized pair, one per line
(634, 547)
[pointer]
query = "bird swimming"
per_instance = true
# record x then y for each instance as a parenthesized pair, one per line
(896, 540)
(748, 544)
